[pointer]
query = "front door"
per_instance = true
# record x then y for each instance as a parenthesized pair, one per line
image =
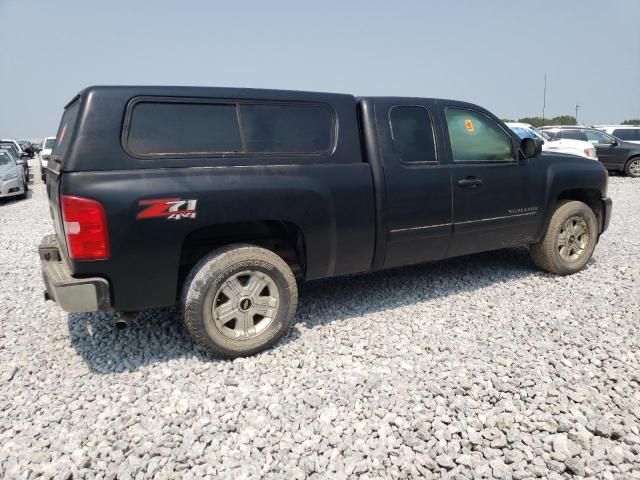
(417, 183)
(610, 152)
(497, 200)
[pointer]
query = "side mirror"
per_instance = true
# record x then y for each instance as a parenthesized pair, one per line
(614, 143)
(24, 154)
(530, 148)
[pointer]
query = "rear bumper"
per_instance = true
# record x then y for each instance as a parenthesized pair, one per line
(607, 206)
(72, 294)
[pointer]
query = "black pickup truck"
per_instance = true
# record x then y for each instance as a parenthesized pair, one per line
(223, 200)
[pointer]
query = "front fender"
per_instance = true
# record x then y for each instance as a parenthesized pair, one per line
(570, 177)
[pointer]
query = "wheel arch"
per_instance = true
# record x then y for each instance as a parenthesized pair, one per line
(286, 239)
(589, 196)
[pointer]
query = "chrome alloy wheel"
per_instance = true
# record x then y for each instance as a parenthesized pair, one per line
(634, 167)
(245, 305)
(573, 239)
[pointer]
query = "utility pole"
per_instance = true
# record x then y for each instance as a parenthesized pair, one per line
(544, 97)
(577, 107)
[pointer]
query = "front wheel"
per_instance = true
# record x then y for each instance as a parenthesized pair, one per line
(239, 300)
(632, 168)
(569, 241)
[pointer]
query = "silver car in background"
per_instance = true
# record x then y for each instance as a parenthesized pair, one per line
(13, 181)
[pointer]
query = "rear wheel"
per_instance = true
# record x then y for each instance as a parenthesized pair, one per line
(239, 300)
(632, 168)
(569, 241)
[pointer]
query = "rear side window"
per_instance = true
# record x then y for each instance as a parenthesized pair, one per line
(287, 128)
(572, 135)
(65, 130)
(163, 128)
(476, 137)
(412, 134)
(179, 128)
(627, 133)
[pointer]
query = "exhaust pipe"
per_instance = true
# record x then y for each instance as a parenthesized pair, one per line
(125, 319)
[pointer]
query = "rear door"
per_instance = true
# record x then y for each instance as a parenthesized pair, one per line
(417, 183)
(497, 197)
(627, 134)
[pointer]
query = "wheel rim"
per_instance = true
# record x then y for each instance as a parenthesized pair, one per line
(245, 305)
(573, 239)
(634, 168)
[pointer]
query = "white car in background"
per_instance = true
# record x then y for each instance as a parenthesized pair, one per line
(47, 146)
(573, 147)
(626, 133)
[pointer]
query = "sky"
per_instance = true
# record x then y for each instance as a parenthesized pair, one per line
(494, 53)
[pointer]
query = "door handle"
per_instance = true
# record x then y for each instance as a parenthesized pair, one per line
(470, 182)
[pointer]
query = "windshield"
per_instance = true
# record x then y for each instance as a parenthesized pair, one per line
(9, 146)
(524, 132)
(5, 160)
(49, 143)
(543, 135)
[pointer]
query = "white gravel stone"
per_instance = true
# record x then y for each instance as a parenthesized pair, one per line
(474, 366)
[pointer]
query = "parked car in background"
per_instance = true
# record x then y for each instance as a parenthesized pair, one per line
(45, 153)
(626, 133)
(20, 155)
(15, 146)
(614, 154)
(564, 145)
(28, 147)
(13, 181)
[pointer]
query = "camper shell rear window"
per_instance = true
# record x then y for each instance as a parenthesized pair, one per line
(66, 128)
(179, 127)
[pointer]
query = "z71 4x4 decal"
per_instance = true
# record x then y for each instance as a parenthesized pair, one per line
(171, 208)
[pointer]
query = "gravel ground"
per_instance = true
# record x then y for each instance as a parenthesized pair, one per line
(469, 368)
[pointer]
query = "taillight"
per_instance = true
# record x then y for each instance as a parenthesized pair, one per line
(85, 228)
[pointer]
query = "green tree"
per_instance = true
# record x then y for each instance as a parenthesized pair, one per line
(564, 120)
(634, 121)
(539, 122)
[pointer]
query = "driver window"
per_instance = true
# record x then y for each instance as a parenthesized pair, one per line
(596, 137)
(475, 137)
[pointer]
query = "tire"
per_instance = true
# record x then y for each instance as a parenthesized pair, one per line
(632, 167)
(25, 189)
(569, 219)
(224, 280)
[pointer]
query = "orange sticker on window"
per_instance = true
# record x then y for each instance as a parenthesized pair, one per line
(469, 124)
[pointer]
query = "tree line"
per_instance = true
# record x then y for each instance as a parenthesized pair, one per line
(539, 121)
(560, 120)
